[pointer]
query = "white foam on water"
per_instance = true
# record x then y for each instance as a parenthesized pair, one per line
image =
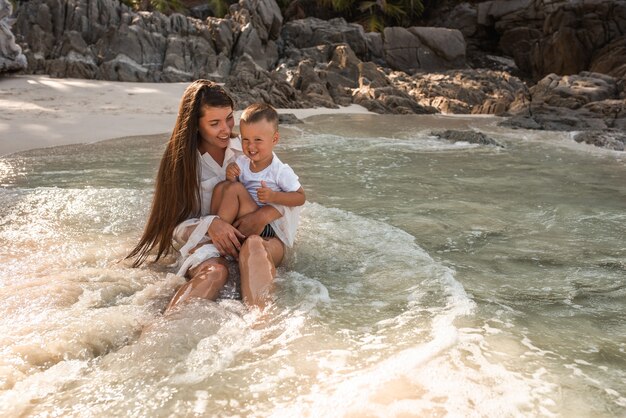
(446, 373)
(363, 323)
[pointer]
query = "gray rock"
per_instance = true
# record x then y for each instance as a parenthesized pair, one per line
(288, 119)
(250, 83)
(311, 32)
(306, 80)
(467, 91)
(610, 139)
(11, 56)
(574, 32)
(428, 49)
(123, 68)
(468, 136)
(574, 91)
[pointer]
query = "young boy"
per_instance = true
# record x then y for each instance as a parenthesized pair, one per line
(263, 178)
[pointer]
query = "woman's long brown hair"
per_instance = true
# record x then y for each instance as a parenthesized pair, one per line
(177, 190)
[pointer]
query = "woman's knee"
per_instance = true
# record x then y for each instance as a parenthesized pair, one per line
(214, 272)
(253, 244)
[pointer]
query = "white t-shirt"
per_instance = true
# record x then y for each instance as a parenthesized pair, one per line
(278, 176)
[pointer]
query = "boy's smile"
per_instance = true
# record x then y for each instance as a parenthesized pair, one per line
(258, 140)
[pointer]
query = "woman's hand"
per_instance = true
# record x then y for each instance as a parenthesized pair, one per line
(226, 238)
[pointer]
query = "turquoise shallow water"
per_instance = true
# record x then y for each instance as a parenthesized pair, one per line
(429, 278)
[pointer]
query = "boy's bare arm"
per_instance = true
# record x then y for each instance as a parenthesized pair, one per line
(267, 195)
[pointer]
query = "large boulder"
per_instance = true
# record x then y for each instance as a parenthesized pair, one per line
(250, 83)
(11, 56)
(261, 23)
(611, 59)
(574, 32)
(586, 101)
(312, 32)
(422, 48)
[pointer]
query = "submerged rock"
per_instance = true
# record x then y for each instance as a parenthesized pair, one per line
(288, 119)
(615, 140)
(468, 136)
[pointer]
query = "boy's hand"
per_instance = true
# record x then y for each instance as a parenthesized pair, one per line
(264, 193)
(232, 172)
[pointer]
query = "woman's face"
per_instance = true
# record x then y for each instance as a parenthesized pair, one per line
(214, 127)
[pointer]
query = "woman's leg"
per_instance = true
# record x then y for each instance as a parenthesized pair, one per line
(207, 279)
(258, 260)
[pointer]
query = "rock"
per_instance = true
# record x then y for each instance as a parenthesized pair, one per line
(468, 136)
(574, 32)
(307, 81)
(11, 56)
(611, 59)
(250, 83)
(375, 47)
(103, 39)
(427, 49)
(574, 91)
(463, 17)
(123, 68)
(580, 102)
(610, 139)
(467, 91)
(288, 119)
(261, 23)
(311, 32)
(552, 118)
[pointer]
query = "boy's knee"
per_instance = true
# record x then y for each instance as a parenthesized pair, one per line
(233, 187)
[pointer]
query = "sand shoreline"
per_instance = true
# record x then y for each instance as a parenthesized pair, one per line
(38, 111)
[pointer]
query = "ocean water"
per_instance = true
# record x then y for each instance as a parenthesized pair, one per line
(429, 278)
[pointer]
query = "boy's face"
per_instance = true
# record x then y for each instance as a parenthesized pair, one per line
(258, 140)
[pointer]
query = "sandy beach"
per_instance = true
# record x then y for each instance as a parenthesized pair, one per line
(39, 111)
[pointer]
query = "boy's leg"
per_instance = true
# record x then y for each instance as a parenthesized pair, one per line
(217, 196)
(235, 203)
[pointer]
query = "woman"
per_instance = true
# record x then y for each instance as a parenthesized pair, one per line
(195, 160)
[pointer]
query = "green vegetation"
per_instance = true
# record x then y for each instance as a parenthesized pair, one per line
(163, 6)
(374, 15)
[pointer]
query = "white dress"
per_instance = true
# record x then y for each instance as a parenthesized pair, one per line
(211, 173)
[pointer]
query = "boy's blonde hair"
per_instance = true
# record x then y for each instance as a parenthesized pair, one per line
(259, 111)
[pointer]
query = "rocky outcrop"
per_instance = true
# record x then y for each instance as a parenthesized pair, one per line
(466, 91)
(572, 34)
(11, 57)
(423, 49)
(587, 101)
(103, 39)
(313, 32)
(260, 22)
(251, 83)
